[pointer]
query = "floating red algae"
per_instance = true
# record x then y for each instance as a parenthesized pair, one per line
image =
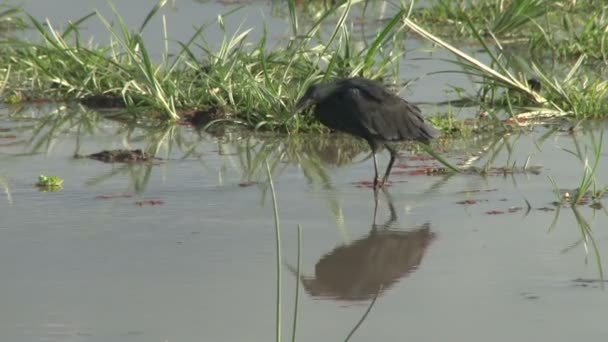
(545, 209)
(467, 202)
(515, 209)
(495, 212)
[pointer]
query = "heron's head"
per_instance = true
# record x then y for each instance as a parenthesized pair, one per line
(317, 93)
(311, 97)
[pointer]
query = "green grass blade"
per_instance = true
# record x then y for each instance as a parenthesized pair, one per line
(277, 230)
(151, 14)
(439, 158)
(297, 295)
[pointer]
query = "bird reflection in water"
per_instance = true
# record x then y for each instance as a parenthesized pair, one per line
(368, 266)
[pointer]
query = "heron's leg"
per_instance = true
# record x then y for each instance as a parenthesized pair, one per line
(375, 208)
(390, 163)
(376, 178)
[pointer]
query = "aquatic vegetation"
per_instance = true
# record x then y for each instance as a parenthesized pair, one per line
(562, 28)
(499, 18)
(279, 265)
(10, 19)
(588, 189)
(249, 83)
(255, 83)
(49, 183)
(7, 189)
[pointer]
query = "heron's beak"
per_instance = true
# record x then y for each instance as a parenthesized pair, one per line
(302, 104)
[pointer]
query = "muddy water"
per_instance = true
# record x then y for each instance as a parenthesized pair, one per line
(184, 249)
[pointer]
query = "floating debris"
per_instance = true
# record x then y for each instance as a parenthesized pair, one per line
(150, 202)
(503, 171)
(121, 156)
(105, 101)
(588, 282)
(468, 202)
(104, 197)
(247, 184)
(49, 183)
(476, 191)
(370, 184)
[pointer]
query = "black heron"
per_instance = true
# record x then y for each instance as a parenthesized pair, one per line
(366, 109)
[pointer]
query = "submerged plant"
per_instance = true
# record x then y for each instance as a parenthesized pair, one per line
(7, 189)
(588, 179)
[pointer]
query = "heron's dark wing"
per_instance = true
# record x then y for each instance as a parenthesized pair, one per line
(373, 90)
(386, 116)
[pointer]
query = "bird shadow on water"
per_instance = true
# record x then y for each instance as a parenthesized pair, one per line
(367, 267)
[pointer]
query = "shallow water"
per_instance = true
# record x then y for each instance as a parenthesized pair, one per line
(200, 263)
(184, 249)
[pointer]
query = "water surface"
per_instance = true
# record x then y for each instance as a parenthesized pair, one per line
(200, 264)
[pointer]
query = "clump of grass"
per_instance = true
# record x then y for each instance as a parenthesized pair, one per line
(500, 18)
(250, 84)
(577, 94)
(572, 31)
(10, 19)
(551, 28)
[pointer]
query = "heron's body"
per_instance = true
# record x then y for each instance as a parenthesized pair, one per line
(366, 109)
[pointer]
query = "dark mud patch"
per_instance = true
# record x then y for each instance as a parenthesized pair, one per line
(104, 102)
(247, 184)
(202, 117)
(122, 156)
